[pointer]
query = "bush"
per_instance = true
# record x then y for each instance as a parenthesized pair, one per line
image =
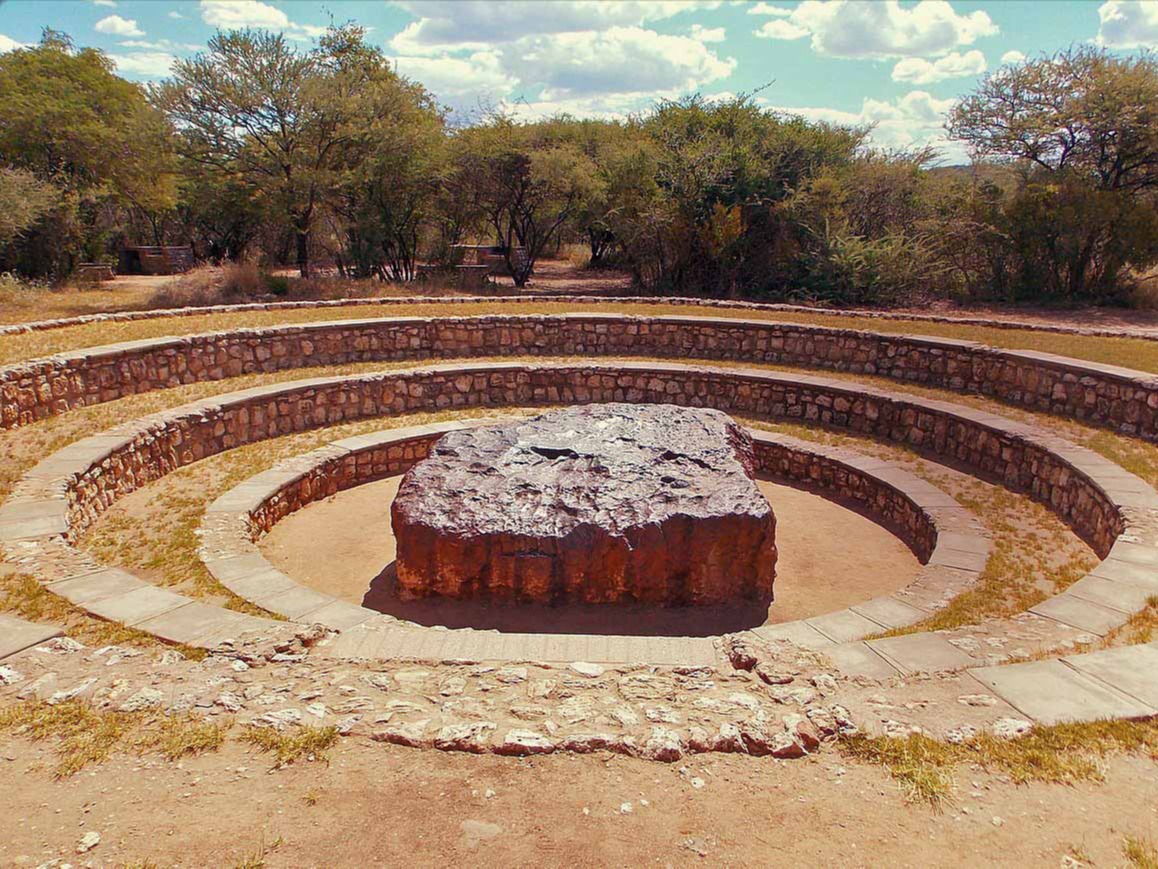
(211, 285)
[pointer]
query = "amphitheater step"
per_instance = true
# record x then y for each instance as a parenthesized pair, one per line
(1052, 692)
(16, 635)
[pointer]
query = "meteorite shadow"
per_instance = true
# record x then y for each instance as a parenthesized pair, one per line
(612, 619)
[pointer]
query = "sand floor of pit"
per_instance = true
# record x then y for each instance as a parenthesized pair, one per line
(829, 557)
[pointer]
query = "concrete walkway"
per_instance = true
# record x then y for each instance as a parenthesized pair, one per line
(16, 635)
(1113, 683)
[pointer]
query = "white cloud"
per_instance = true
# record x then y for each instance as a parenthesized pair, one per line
(173, 13)
(708, 34)
(236, 14)
(118, 26)
(913, 121)
(151, 64)
(447, 24)
(572, 56)
(769, 9)
(1128, 24)
(7, 43)
(112, 4)
(161, 45)
(917, 70)
(780, 29)
(622, 59)
(447, 77)
(1013, 56)
(880, 29)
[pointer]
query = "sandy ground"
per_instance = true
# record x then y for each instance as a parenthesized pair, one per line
(344, 546)
(383, 805)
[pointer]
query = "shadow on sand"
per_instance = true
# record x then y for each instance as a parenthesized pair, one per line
(612, 619)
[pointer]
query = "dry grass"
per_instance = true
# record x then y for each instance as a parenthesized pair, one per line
(294, 744)
(1139, 628)
(1140, 853)
(1059, 754)
(85, 735)
(211, 285)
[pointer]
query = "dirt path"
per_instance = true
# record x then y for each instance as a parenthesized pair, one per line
(379, 805)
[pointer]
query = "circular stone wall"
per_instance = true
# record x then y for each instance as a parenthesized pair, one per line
(610, 503)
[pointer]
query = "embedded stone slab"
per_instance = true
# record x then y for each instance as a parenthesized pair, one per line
(1050, 692)
(921, 653)
(1078, 612)
(608, 503)
(859, 659)
(1133, 670)
(16, 635)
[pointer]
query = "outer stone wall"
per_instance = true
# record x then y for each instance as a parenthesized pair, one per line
(1046, 467)
(1118, 398)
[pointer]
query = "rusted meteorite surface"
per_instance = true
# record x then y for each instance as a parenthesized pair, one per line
(607, 503)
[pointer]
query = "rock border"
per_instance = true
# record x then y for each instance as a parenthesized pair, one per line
(691, 301)
(1117, 398)
(1114, 510)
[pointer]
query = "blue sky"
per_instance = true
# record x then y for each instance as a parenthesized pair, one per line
(899, 65)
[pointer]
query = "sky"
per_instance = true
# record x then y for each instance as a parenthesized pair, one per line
(898, 65)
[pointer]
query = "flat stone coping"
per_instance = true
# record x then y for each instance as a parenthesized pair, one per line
(1125, 399)
(16, 635)
(38, 518)
(230, 529)
(604, 298)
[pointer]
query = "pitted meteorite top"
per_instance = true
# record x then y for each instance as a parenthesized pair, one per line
(597, 503)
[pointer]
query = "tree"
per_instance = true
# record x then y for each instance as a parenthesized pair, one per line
(80, 130)
(256, 108)
(24, 200)
(387, 185)
(1082, 126)
(529, 180)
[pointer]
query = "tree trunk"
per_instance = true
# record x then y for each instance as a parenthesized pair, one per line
(303, 248)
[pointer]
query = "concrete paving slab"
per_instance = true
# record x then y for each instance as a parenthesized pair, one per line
(193, 623)
(798, 632)
(1123, 571)
(1080, 613)
(1051, 692)
(297, 603)
(857, 659)
(1132, 670)
(82, 590)
(16, 635)
(341, 615)
(844, 626)
(921, 653)
(137, 605)
(1120, 596)
(889, 611)
(257, 586)
(974, 561)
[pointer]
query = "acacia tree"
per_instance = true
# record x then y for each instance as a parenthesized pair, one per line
(84, 142)
(528, 180)
(1083, 127)
(385, 193)
(255, 108)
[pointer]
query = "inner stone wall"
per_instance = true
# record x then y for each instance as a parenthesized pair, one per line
(1121, 399)
(1045, 467)
(779, 458)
